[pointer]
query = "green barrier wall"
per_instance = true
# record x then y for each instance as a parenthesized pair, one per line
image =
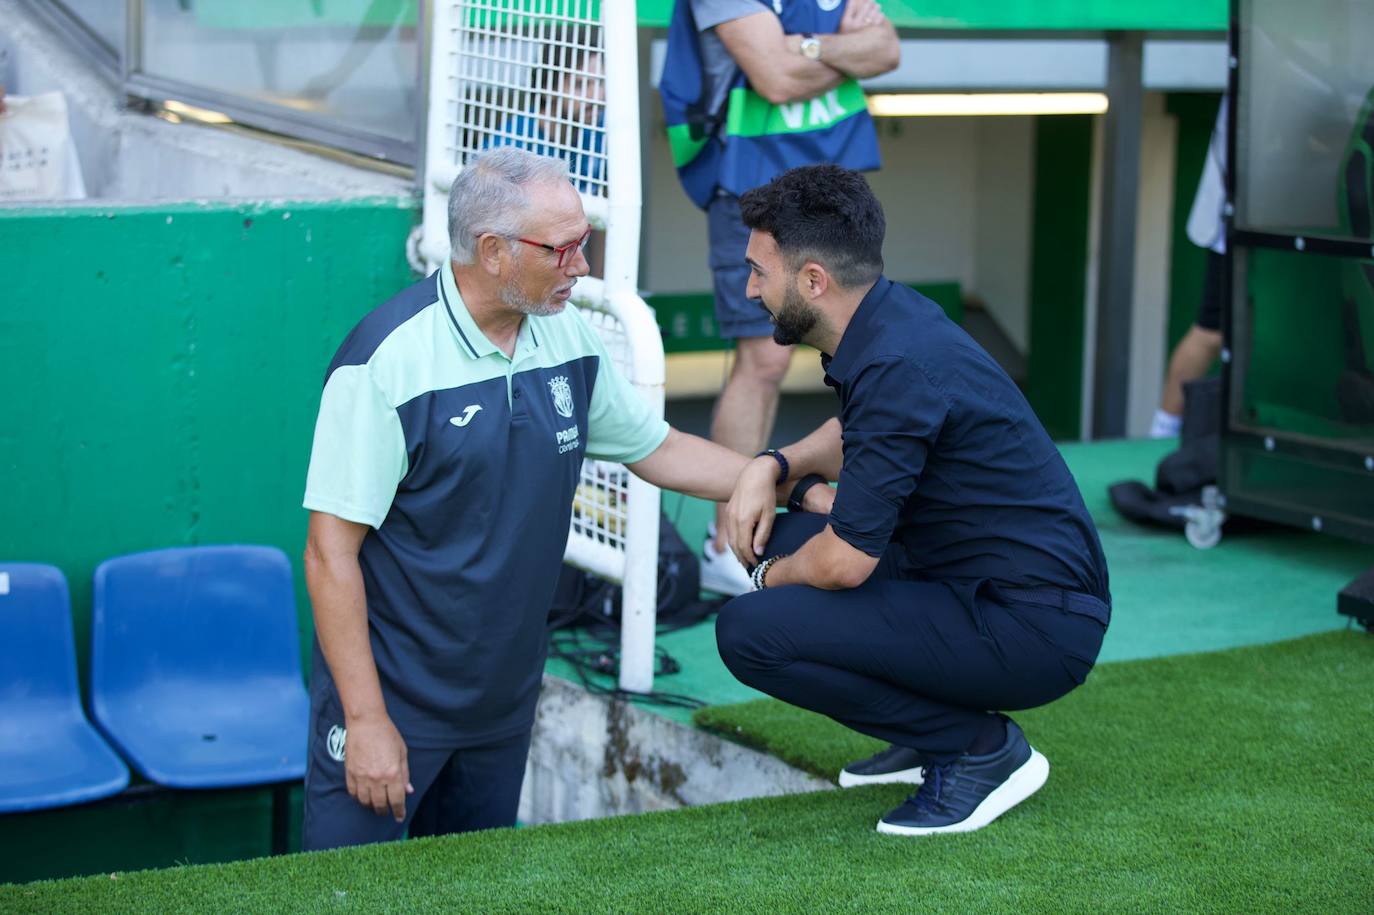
(161, 370)
(1052, 15)
(1164, 15)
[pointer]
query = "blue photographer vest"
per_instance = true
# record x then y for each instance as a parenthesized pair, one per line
(752, 141)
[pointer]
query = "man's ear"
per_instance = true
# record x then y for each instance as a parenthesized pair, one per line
(490, 250)
(814, 280)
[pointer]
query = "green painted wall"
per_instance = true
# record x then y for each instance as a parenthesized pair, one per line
(1059, 263)
(1049, 15)
(162, 369)
(920, 14)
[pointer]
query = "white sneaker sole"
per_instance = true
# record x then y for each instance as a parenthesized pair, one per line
(724, 575)
(1020, 785)
(904, 776)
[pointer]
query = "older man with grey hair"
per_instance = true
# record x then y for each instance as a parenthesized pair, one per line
(451, 432)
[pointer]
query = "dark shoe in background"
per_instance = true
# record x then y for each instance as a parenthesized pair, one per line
(895, 764)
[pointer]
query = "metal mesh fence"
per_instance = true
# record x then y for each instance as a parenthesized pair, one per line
(531, 73)
(599, 510)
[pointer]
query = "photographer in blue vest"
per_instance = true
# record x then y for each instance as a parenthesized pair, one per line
(750, 89)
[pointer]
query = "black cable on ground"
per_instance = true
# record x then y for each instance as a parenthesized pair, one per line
(587, 638)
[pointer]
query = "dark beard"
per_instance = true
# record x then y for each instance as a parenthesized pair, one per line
(794, 320)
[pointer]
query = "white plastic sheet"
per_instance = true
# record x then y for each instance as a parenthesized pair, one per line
(37, 156)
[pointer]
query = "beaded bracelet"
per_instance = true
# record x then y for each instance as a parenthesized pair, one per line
(758, 578)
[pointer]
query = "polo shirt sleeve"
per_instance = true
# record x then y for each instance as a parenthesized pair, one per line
(359, 454)
(622, 427)
(711, 13)
(891, 419)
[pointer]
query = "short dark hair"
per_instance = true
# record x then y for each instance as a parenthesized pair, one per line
(823, 213)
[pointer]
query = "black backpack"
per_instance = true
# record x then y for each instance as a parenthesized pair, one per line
(1182, 475)
(581, 597)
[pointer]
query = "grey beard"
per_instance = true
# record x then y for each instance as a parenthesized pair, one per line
(512, 297)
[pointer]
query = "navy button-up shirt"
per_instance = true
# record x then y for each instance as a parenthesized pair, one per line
(944, 458)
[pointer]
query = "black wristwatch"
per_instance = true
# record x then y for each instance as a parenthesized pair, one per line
(794, 501)
(776, 455)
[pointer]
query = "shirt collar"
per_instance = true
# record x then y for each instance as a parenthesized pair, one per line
(470, 338)
(863, 327)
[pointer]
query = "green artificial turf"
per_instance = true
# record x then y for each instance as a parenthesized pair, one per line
(1228, 782)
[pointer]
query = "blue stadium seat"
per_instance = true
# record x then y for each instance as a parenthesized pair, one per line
(195, 666)
(50, 756)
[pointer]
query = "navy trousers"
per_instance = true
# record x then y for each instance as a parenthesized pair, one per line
(456, 790)
(916, 663)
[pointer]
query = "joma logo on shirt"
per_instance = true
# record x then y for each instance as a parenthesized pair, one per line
(468, 413)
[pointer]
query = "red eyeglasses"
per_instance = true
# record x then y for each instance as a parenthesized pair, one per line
(565, 252)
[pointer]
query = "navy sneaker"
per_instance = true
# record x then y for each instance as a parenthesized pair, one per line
(895, 764)
(972, 791)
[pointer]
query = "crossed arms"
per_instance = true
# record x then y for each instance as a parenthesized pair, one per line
(865, 45)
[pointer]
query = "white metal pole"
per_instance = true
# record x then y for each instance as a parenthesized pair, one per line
(639, 601)
(622, 145)
(441, 136)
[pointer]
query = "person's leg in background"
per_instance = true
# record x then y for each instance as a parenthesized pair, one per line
(1193, 356)
(748, 403)
(479, 788)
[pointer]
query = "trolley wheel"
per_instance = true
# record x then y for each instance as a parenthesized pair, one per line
(1203, 535)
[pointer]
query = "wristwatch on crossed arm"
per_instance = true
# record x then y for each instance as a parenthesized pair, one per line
(810, 46)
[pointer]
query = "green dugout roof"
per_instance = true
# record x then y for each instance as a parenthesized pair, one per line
(1029, 15)
(983, 15)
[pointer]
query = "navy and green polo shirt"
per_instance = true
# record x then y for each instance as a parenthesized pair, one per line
(464, 462)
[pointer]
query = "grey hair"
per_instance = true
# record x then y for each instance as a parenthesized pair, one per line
(489, 195)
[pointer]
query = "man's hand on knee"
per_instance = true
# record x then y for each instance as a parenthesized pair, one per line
(749, 516)
(376, 768)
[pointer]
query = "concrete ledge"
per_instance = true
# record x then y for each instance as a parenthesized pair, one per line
(595, 757)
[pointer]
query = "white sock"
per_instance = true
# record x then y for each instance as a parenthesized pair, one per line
(1165, 425)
